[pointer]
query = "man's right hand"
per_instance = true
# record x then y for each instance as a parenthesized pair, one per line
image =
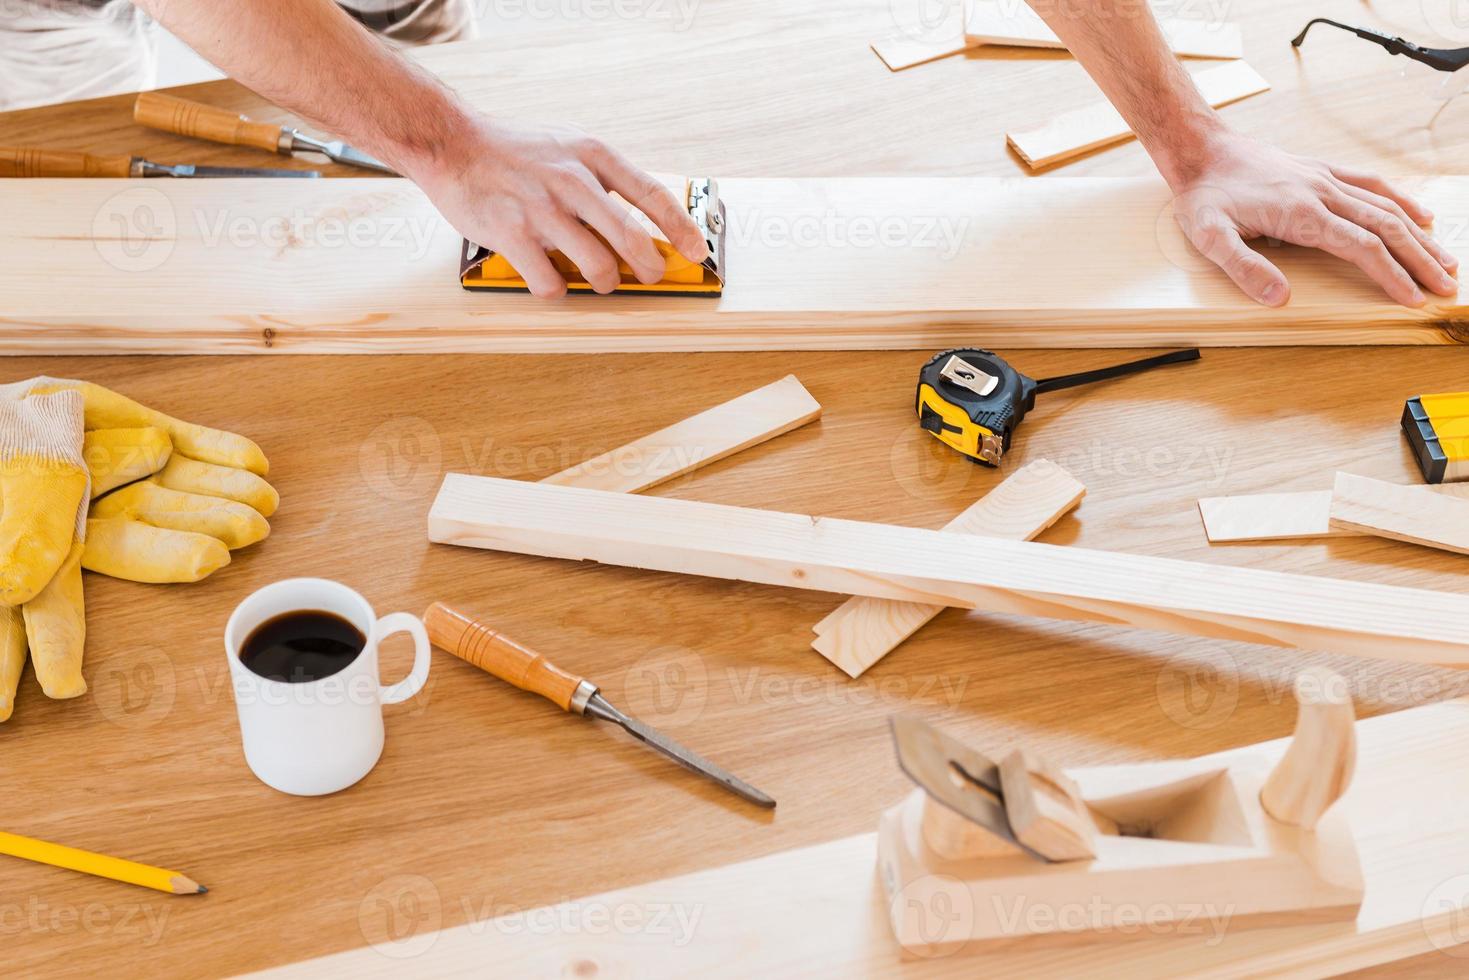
(526, 192)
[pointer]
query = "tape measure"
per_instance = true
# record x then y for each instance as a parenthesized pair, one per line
(972, 400)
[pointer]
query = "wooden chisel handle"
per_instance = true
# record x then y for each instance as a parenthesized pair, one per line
(493, 651)
(20, 161)
(205, 122)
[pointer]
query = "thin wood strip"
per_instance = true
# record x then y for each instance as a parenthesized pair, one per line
(938, 568)
(819, 263)
(697, 441)
(1404, 513)
(1013, 22)
(827, 910)
(1097, 125)
(1280, 516)
(902, 50)
(863, 630)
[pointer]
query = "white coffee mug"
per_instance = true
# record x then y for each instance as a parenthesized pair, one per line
(318, 736)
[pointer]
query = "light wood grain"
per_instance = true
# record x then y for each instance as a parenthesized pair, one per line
(863, 630)
(712, 663)
(697, 441)
(1013, 22)
(368, 266)
(1415, 514)
(1268, 516)
(828, 910)
(1278, 516)
(1093, 126)
(913, 565)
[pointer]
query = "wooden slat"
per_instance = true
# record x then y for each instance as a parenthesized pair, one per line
(368, 266)
(902, 50)
(1013, 22)
(937, 568)
(863, 630)
(1404, 513)
(780, 914)
(1099, 124)
(697, 441)
(1267, 516)
(1279, 516)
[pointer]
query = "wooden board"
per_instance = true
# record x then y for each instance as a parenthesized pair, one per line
(1279, 516)
(863, 630)
(367, 266)
(1404, 513)
(1267, 516)
(1013, 22)
(1097, 125)
(778, 915)
(1010, 23)
(696, 441)
(937, 568)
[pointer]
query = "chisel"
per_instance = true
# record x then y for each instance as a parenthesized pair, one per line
(496, 653)
(206, 122)
(18, 161)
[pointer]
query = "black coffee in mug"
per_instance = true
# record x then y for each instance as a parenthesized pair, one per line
(301, 646)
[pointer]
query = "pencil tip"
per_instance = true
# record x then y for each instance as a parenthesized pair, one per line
(201, 890)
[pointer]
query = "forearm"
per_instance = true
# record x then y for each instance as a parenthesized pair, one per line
(310, 57)
(1121, 46)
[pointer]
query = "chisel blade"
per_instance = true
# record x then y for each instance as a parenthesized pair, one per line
(337, 151)
(189, 170)
(691, 761)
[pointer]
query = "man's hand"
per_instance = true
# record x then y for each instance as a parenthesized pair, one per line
(1230, 189)
(524, 192)
(1244, 189)
(519, 192)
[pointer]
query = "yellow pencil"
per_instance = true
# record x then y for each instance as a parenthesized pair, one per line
(100, 865)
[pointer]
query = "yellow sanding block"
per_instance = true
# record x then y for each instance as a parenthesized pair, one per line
(482, 268)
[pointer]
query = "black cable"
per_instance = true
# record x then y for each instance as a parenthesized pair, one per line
(1115, 371)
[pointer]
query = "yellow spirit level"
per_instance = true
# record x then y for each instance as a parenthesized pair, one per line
(1437, 427)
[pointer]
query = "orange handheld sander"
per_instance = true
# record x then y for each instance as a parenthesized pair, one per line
(481, 268)
(528, 670)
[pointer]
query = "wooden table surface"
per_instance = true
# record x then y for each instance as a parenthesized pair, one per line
(488, 800)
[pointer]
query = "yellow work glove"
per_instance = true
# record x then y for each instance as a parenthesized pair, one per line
(43, 493)
(201, 492)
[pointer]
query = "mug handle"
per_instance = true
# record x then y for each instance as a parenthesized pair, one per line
(402, 622)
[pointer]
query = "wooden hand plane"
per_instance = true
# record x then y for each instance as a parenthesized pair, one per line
(1016, 850)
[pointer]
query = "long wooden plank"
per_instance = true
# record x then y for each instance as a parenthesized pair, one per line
(1099, 124)
(863, 630)
(96, 266)
(1404, 513)
(937, 568)
(696, 441)
(1013, 22)
(779, 915)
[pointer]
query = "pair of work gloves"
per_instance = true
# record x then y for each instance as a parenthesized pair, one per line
(91, 479)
